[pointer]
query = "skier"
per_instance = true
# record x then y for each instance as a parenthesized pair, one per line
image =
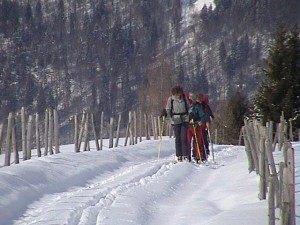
(177, 108)
(197, 122)
(209, 118)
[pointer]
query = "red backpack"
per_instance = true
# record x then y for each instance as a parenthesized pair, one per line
(205, 100)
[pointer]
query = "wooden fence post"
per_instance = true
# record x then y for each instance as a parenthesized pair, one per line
(135, 127)
(255, 134)
(14, 141)
(254, 151)
(118, 131)
(23, 133)
(46, 131)
(131, 128)
(262, 166)
(111, 132)
(86, 133)
(50, 132)
(160, 127)
(29, 137)
(8, 140)
(56, 131)
(281, 132)
(281, 168)
(270, 130)
(37, 136)
(251, 166)
(288, 211)
(271, 199)
(76, 133)
(140, 126)
(291, 138)
(129, 132)
(126, 134)
(101, 130)
(152, 126)
(1, 136)
(271, 162)
(147, 135)
(83, 119)
(155, 131)
(275, 138)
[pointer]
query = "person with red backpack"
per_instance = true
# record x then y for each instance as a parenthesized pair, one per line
(209, 117)
(197, 124)
(177, 108)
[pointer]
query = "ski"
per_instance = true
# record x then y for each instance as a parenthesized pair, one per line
(210, 164)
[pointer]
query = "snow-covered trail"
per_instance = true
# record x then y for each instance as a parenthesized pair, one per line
(129, 185)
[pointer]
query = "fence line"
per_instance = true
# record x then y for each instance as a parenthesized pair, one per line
(32, 132)
(276, 179)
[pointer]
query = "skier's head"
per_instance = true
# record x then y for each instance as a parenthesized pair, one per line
(199, 98)
(192, 97)
(177, 91)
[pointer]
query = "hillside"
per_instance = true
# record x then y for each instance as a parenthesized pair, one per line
(118, 56)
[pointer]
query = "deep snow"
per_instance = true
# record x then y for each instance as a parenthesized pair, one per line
(130, 185)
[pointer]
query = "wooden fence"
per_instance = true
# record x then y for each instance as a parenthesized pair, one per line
(272, 158)
(33, 133)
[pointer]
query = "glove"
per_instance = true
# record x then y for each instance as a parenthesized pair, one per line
(191, 116)
(163, 113)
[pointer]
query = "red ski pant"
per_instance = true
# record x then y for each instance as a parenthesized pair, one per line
(201, 136)
(195, 134)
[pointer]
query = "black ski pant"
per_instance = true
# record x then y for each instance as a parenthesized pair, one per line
(180, 132)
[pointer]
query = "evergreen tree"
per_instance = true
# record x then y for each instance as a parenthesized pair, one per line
(222, 52)
(279, 92)
(237, 108)
(293, 77)
(231, 117)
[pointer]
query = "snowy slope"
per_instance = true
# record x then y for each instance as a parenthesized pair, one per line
(129, 185)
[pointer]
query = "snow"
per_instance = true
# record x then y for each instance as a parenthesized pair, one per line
(130, 185)
(189, 10)
(200, 3)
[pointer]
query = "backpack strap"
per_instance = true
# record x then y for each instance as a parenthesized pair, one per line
(171, 111)
(186, 106)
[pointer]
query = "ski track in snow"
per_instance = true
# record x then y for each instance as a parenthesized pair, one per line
(95, 203)
(92, 199)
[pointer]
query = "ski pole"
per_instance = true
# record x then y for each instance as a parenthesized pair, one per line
(212, 145)
(160, 136)
(197, 144)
